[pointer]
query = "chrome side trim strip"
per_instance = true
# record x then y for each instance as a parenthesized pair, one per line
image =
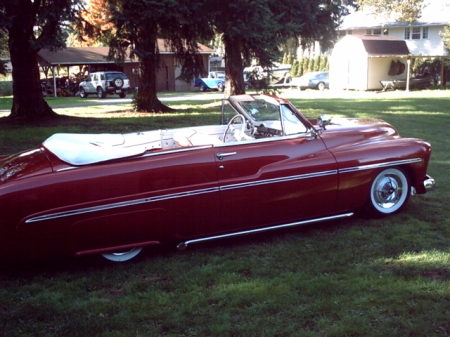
(278, 180)
(177, 150)
(120, 204)
(183, 245)
(374, 166)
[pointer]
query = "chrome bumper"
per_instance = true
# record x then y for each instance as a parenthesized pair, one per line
(428, 183)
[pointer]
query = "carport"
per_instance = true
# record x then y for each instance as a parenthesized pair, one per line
(91, 59)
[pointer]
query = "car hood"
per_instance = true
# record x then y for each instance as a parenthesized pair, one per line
(25, 164)
(345, 131)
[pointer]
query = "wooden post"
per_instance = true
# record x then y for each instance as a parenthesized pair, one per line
(408, 70)
(442, 74)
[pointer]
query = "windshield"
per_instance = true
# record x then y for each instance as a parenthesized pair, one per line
(271, 114)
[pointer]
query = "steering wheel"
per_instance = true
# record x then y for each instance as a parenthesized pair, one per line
(237, 133)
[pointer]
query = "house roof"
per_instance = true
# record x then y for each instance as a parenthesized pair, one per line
(434, 13)
(93, 55)
(381, 45)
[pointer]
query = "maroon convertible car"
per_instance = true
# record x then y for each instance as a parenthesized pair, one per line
(264, 167)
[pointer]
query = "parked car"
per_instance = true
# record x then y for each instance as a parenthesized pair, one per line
(314, 80)
(103, 83)
(214, 81)
(265, 166)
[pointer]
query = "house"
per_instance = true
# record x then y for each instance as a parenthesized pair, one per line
(95, 59)
(422, 36)
(370, 61)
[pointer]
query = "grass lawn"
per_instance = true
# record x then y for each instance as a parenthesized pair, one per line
(354, 277)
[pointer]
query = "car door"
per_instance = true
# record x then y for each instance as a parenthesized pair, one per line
(275, 180)
(89, 85)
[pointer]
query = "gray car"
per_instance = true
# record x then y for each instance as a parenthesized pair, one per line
(103, 83)
(314, 80)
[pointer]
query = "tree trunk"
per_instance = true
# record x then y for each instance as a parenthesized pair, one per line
(146, 99)
(28, 101)
(234, 69)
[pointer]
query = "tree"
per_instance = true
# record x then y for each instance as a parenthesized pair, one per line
(30, 26)
(404, 11)
(256, 29)
(446, 37)
(138, 26)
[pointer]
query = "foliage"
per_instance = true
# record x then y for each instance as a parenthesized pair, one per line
(30, 26)
(135, 27)
(306, 64)
(446, 37)
(5, 88)
(405, 11)
(267, 26)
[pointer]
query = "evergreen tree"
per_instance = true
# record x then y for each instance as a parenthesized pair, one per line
(312, 63)
(249, 30)
(306, 66)
(318, 63)
(138, 26)
(294, 69)
(300, 67)
(30, 26)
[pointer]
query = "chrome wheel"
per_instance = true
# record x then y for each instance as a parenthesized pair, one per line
(389, 192)
(123, 256)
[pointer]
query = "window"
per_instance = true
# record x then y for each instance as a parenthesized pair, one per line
(377, 31)
(292, 125)
(415, 33)
(407, 33)
(342, 33)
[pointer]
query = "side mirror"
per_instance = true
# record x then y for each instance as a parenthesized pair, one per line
(323, 121)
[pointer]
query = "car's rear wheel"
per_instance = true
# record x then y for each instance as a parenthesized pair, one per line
(202, 88)
(83, 93)
(389, 192)
(220, 87)
(123, 256)
(101, 93)
(122, 95)
(321, 86)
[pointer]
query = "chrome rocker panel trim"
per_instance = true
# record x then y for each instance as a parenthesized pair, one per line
(183, 245)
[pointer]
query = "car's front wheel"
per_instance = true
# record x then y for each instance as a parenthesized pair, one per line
(123, 256)
(83, 93)
(389, 192)
(202, 88)
(101, 93)
(321, 86)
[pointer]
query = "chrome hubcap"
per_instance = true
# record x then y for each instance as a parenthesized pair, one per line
(387, 191)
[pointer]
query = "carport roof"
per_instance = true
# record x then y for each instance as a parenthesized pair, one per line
(92, 55)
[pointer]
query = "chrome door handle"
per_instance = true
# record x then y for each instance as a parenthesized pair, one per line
(221, 155)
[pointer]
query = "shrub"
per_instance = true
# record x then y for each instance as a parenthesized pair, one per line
(6, 88)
